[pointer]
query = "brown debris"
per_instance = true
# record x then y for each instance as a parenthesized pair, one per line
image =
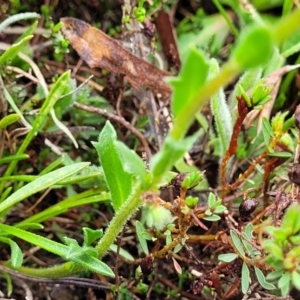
(99, 50)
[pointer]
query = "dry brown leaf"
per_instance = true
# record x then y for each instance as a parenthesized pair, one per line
(99, 50)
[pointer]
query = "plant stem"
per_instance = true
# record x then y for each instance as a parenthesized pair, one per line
(119, 220)
(287, 26)
(187, 115)
(58, 271)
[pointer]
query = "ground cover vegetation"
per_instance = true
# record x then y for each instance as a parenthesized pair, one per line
(149, 149)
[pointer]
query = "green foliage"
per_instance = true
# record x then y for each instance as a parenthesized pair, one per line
(221, 112)
(71, 251)
(244, 249)
(118, 177)
(257, 52)
(39, 184)
(10, 53)
(193, 75)
(215, 208)
(283, 250)
(255, 47)
(140, 230)
(191, 180)
(8, 120)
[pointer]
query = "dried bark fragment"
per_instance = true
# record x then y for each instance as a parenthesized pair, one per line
(168, 39)
(99, 50)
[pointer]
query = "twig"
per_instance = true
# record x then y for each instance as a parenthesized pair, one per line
(120, 120)
(83, 282)
(23, 73)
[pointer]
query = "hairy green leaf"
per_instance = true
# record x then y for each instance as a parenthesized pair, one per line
(237, 242)
(262, 280)
(228, 257)
(118, 179)
(246, 280)
(220, 111)
(188, 83)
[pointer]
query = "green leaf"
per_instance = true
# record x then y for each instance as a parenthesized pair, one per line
(208, 212)
(211, 201)
(262, 280)
(248, 231)
(178, 247)
(132, 163)
(93, 264)
(220, 111)
(10, 158)
(77, 255)
(118, 179)
(284, 280)
(267, 131)
(291, 220)
(271, 247)
(296, 280)
(74, 250)
(249, 248)
(140, 229)
(192, 77)
(255, 47)
(66, 101)
(37, 240)
(31, 226)
(8, 120)
(295, 239)
(13, 50)
(122, 252)
(287, 7)
(237, 242)
(245, 278)
(243, 94)
(168, 239)
(147, 236)
(91, 235)
(284, 283)
(191, 201)
(220, 209)
(212, 218)
(228, 257)
(40, 184)
(29, 31)
(281, 154)
(261, 92)
(16, 252)
(274, 275)
(191, 180)
(245, 82)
